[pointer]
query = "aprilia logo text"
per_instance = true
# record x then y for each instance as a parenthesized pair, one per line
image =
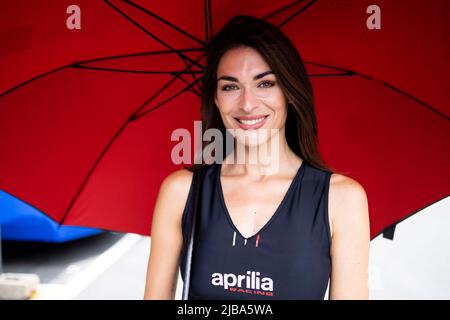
(250, 283)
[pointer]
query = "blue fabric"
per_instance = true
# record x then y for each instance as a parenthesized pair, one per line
(21, 222)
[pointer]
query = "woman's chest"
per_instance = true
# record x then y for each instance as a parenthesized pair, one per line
(251, 206)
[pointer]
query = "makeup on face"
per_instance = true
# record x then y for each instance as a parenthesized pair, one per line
(248, 95)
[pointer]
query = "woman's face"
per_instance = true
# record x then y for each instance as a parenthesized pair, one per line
(249, 97)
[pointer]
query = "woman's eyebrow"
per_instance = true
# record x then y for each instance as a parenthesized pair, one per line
(258, 76)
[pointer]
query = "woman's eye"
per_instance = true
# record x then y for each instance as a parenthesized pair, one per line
(264, 84)
(228, 87)
(267, 84)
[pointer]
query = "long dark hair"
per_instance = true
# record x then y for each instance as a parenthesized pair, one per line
(287, 65)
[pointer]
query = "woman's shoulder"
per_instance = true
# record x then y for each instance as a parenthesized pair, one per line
(180, 181)
(172, 197)
(346, 189)
(177, 182)
(348, 204)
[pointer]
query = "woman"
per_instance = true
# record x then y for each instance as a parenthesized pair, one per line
(283, 235)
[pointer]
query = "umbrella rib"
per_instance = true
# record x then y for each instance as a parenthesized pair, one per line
(33, 79)
(165, 101)
(193, 89)
(88, 61)
(195, 80)
(416, 99)
(118, 132)
(165, 22)
(205, 6)
(136, 116)
(147, 53)
(151, 34)
(277, 11)
(116, 135)
(135, 71)
(327, 75)
(133, 117)
(388, 85)
(193, 75)
(410, 215)
(296, 13)
(211, 31)
(208, 20)
(312, 63)
(327, 66)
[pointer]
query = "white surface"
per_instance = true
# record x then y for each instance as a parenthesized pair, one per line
(416, 263)
(105, 277)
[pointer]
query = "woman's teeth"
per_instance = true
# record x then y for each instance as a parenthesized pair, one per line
(251, 122)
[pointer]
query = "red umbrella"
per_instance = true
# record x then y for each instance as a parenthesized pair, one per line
(86, 115)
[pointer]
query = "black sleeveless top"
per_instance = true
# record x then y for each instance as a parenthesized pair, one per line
(289, 258)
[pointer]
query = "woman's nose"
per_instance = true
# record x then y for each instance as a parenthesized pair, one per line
(248, 101)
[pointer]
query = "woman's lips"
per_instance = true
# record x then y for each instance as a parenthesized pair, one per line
(251, 122)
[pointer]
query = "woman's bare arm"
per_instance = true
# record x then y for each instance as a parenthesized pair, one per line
(166, 236)
(349, 213)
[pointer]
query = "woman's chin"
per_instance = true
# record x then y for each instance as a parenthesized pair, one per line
(251, 141)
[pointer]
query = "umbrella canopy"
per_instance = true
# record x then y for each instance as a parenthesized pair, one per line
(86, 115)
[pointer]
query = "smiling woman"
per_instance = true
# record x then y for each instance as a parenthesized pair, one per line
(284, 235)
(269, 80)
(248, 101)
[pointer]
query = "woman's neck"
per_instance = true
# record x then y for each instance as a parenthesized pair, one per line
(263, 159)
